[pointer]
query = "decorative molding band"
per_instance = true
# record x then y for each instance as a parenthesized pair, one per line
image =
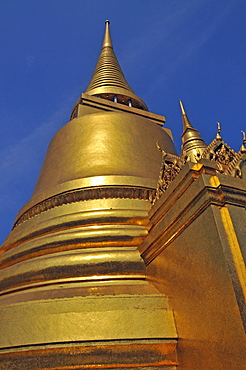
(86, 194)
(150, 353)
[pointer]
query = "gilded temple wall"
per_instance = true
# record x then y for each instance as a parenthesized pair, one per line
(190, 256)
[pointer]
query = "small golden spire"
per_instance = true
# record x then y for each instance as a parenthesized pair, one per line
(185, 119)
(107, 42)
(243, 148)
(218, 136)
(193, 145)
(108, 80)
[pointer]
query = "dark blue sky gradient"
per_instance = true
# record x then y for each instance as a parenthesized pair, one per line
(168, 49)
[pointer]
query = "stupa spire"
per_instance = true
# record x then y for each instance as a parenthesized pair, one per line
(108, 80)
(107, 42)
(192, 143)
(185, 119)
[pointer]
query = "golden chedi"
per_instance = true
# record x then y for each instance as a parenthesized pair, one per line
(74, 292)
(127, 255)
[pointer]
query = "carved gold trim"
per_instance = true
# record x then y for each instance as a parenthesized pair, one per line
(170, 168)
(86, 194)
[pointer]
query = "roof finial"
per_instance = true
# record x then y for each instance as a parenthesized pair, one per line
(193, 145)
(185, 119)
(218, 136)
(243, 148)
(107, 42)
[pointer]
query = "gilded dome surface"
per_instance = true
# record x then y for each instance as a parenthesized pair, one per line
(106, 143)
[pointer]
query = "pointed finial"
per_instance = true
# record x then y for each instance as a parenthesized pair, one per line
(108, 81)
(243, 148)
(185, 119)
(218, 136)
(107, 42)
(193, 145)
(181, 107)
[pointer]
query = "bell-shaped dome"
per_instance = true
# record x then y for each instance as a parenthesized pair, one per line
(103, 144)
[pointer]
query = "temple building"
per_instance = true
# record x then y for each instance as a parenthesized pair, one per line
(128, 254)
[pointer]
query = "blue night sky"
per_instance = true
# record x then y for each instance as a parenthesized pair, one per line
(192, 50)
